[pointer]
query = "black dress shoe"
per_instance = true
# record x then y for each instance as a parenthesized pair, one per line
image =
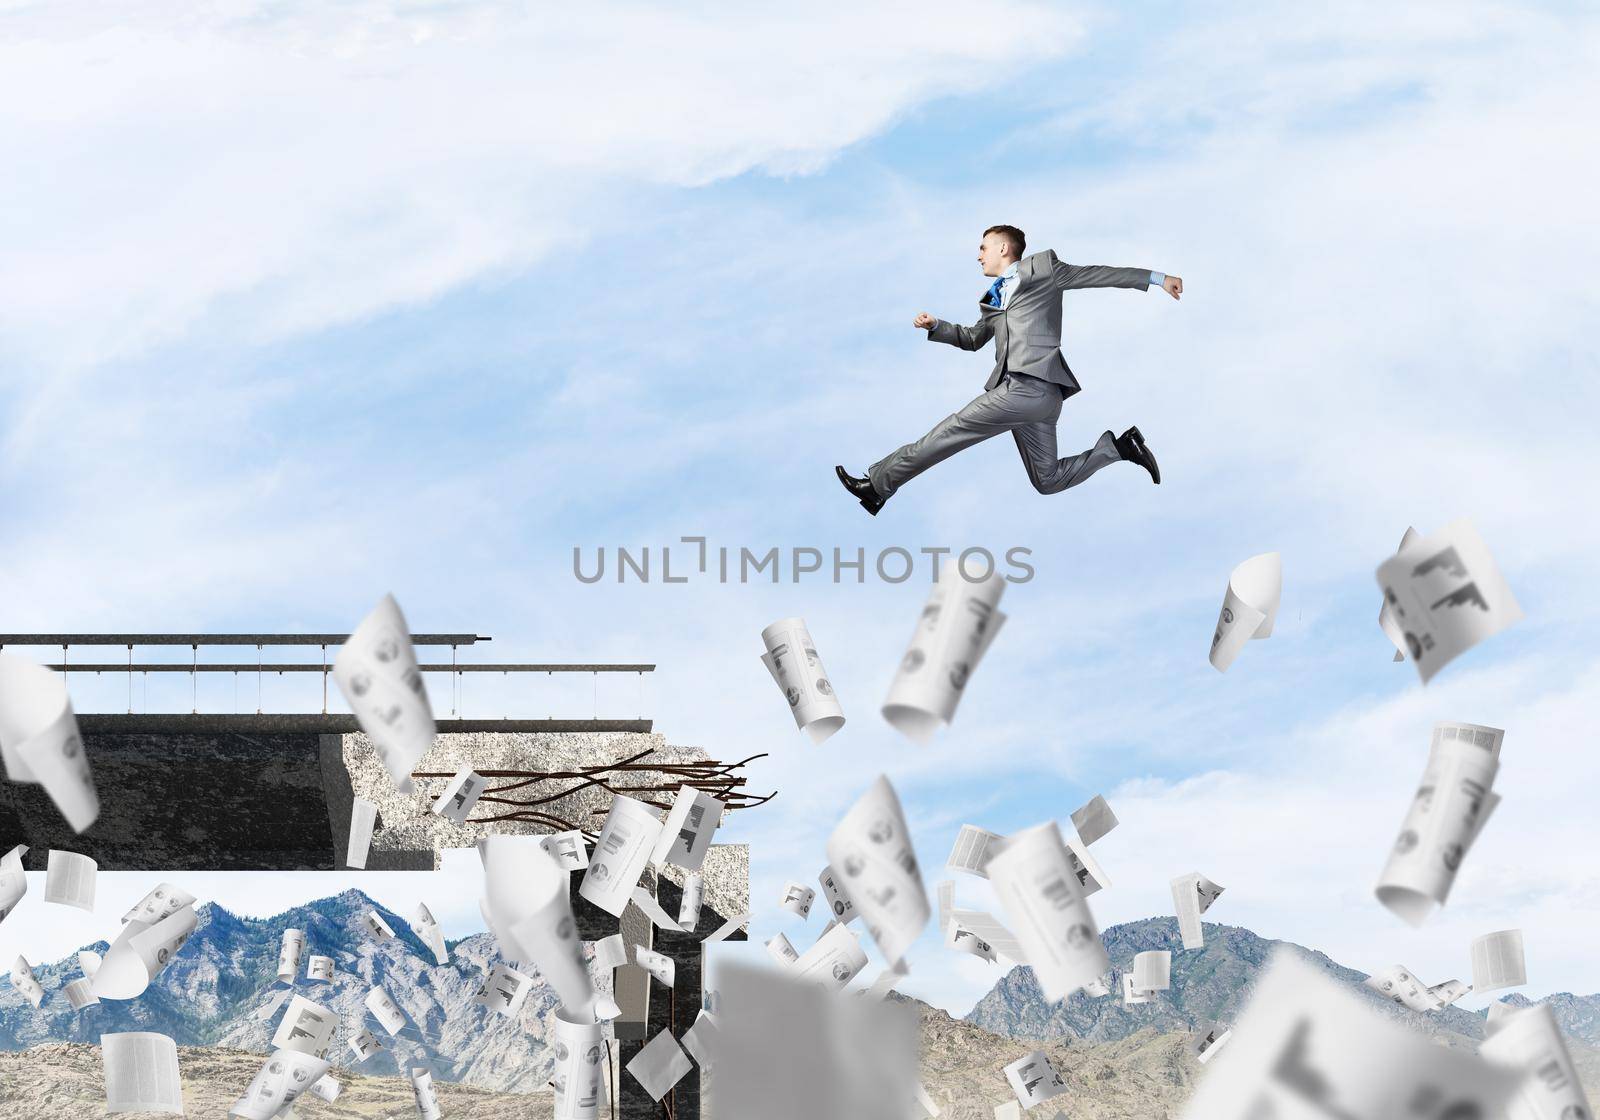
(1131, 446)
(862, 488)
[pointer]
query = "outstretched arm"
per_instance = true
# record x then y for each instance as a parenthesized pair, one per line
(1105, 276)
(954, 334)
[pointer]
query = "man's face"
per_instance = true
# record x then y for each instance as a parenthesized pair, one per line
(994, 254)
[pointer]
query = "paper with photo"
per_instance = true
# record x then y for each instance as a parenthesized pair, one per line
(376, 669)
(659, 1065)
(1034, 1080)
(1192, 895)
(689, 902)
(363, 818)
(626, 841)
(836, 959)
(1208, 1040)
(797, 898)
(1306, 1046)
(965, 941)
(504, 990)
(1249, 607)
(568, 848)
(69, 879)
(659, 965)
(375, 925)
(291, 947)
(1042, 898)
(871, 847)
(364, 1045)
(957, 626)
(23, 980)
(985, 925)
(327, 1088)
(529, 896)
(384, 1009)
(1498, 962)
(140, 952)
(427, 929)
(1386, 619)
(1401, 985)
(1091, 876)
(13, 879)
(162, 901)
(689, 829)
(306, 1028)
(579, 1049)
(460, 795)
(1445, 594)
(319, 968)
(39, 740)
(422, 1087)
(1131, 994)
(282, 1078)
(791, 658)
(1093, 819)
(141, 1072)
(1452, 803)
(1530, 1040)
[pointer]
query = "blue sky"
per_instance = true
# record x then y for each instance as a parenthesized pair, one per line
(421, 298)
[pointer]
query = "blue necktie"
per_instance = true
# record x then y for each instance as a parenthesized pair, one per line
(994, 292)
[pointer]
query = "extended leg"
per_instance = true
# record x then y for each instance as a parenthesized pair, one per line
(1036, 443)
(1000, 409)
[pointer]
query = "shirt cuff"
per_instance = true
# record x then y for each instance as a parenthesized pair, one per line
(1157, 279)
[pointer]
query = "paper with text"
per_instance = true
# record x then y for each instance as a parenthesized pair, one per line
(871, 847)
(1041, 895)
(141, 1071)
(1249, 607)
(377, 671)
(1498, 962)
(791, 658)
(1192, 895)
(626, 840)
(958, 624)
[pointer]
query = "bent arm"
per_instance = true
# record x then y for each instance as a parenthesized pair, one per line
(954, 334)
(1102, 276)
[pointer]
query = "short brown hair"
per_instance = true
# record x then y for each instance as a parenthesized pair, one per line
(1013, 235)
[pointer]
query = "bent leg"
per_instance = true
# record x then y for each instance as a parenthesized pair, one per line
(1036, 443)
(1000, 409)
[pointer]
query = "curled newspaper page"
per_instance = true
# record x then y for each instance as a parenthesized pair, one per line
(364, 1045)
(985, 925)
(1192, 895)
(1386, 620)
(422, 1086)
(696, 1041)
(1152, 971)
(377, 671)
(610, 952)
(972, 850)
(1307, 1047)
(658, 965)
(1249, 607)
(963, 940)
(142, 949)
(1041, 895)
(319, 969)
(836, 897)
(375, 924)
(659, 1065)
(290, 949)
(1530, 1040)
(529, 897)
(504, 990)
(689, 903)
(427, 928)
(579, 1050)
(270, 1008)
(1452, 804)
(384, 1009)
(1401, 985)
(792, 660)
(460, 794)
(686, 836)
(872, 849)
(306, 1028)
(781, 950)
(626, 840)
(80, 993)
(1093, 819)
(327, 1087)
(836, 959)
(283, 1077)
(1132, 995)
(1445, 595)
(141, 1071)
(957, 626)
(1498, 962)
(1209, 1039)
(13, 879)
(797, 899)
(568, 849)
(39, 739)
(22, 979)
(1034, 1080)
(363, 816)
(1091, 876)
(69, 879)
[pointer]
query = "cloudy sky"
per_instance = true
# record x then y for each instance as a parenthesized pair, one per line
(300, 304)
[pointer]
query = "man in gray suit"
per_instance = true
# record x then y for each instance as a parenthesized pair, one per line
(1022, 313)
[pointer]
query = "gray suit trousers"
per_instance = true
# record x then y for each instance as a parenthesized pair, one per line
(1026, 407)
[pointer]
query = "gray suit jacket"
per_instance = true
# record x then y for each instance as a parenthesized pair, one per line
(1027, 331)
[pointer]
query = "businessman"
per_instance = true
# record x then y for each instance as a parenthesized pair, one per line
(1021, 311)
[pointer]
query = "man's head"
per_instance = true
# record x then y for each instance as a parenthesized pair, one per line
(1000, 246)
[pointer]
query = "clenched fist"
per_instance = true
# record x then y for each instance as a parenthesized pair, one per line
(925, 321)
